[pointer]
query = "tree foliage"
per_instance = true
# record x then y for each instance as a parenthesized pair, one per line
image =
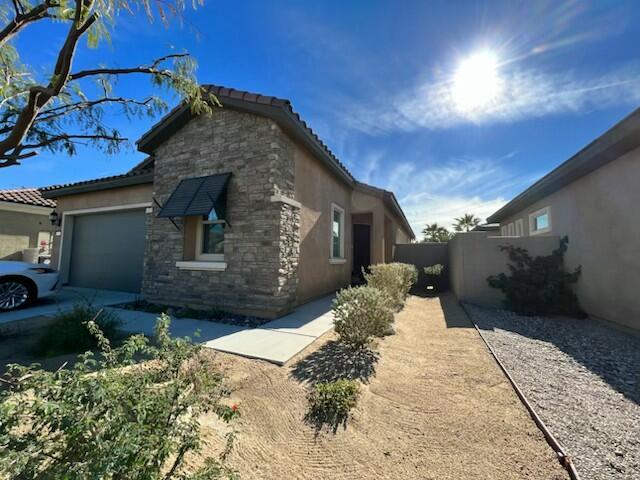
(538, 285)
(60, 108)
(466, 223)
(436, 233)
(111, 417)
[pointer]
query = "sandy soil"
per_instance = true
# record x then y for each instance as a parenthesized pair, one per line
(434, 405)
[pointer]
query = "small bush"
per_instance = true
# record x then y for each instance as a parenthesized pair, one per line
(361, 313)
(330, 403)
(108, 417)
(68, 332)
(434, 270)
(538, 285)
(394, 279)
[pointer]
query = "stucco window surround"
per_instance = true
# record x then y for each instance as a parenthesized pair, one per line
(540, 221)
(337, 233)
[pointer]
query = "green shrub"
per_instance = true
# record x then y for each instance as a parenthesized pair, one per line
(394, 279)
(108, 417)
(538, 285)
(68, 333)
(361, 313)
(330, 403)
(434, 270)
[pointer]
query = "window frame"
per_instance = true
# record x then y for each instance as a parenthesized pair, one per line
(511, 230)
(532, 221)
(342, 258)
(503, 231)
(199, 255)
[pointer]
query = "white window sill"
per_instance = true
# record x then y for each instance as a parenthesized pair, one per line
(213, 266)
(337, 261)
(540, 232)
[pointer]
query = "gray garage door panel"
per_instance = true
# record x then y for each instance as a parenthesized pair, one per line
(107, 251)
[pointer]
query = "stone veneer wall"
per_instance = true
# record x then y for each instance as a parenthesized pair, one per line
(262, 243)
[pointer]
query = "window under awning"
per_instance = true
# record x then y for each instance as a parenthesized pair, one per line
(198, 196)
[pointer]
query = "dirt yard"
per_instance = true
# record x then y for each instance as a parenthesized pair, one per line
(434, 405)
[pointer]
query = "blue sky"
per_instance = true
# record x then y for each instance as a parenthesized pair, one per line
(373, 79)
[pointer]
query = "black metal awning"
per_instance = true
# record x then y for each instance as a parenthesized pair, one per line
(198, 196)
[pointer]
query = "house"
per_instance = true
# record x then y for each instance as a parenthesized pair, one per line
(244, 210)
(592, 198)
(24, 224)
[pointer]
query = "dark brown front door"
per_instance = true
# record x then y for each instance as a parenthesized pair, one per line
(361, 248)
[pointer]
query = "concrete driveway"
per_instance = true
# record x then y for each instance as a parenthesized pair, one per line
(65, 299)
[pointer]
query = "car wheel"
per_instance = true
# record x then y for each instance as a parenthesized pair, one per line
(14, 294)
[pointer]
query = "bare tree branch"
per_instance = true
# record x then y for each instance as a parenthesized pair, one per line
(22, 19)
(62, 110)
(71, 137)
(151, 69)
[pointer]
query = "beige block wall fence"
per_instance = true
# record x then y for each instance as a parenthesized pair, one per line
(474, 256)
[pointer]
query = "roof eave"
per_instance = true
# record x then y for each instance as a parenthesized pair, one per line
(281, 115)
(615, 142)
(98, 185)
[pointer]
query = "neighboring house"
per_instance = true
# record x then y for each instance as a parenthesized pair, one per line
(24, 223)
(245, 210)
(592, 198)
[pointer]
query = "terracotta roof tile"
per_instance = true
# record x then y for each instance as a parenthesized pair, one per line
(26, 196)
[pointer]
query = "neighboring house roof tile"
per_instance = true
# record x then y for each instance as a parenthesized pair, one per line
(611, 145)
(26, 196)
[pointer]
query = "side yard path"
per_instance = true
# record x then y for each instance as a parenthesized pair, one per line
(434, 405)
(583, 379)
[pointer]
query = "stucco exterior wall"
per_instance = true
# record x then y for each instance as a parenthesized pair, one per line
(261, 247)
(19, 230)
(316, 188)
(131, 195)
(474, 256)
(598, 213)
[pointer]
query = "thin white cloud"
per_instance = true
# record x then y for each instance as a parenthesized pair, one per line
(525, 94)
(431, 194)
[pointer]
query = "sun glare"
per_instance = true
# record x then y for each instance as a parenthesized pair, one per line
(476, 81)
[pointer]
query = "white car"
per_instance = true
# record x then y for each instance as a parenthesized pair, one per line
(21, 283)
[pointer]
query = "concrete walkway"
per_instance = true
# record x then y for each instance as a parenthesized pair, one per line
(65, 299)
(276, 341)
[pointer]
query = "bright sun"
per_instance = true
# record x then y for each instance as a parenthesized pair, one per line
(476, 81)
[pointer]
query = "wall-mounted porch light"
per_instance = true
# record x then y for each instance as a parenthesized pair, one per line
(54, 218)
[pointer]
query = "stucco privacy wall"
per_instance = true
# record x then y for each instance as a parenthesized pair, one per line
(115, 197)
(19, 230)
(316, 188)
(473, 256)
(423, 255)
(262, 240)
(598, 212)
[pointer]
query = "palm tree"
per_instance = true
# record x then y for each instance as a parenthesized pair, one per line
(436, 233)
(466, 223)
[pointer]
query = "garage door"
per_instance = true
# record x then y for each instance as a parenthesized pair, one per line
(107, 250)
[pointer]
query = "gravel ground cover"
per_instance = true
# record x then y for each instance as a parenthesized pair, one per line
(583, 379)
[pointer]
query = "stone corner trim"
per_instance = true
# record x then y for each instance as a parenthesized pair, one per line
(289, 201)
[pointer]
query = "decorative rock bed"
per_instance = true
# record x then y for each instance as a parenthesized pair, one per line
(213, 315)
(583, 379)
